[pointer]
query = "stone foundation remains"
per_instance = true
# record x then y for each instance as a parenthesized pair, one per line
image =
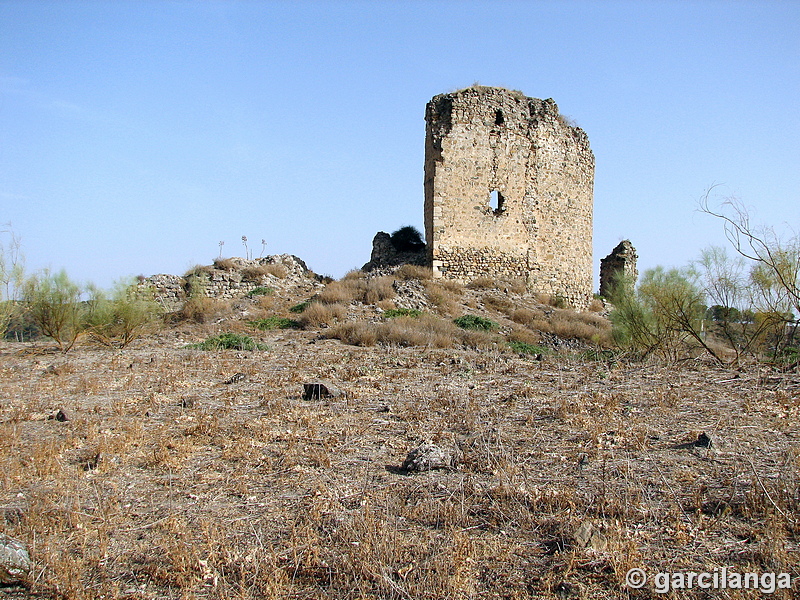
(287, 271)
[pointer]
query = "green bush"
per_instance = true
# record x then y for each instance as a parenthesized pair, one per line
(123, 316)
(298, 308)
(661, 316)
(229, 341)
(54, 304)
(275, 322)
(402, 312)
(407, 239)
(12, 278)
(525, 348)
(475, 322)
(260, 291)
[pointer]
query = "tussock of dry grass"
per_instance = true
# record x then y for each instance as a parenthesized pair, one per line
(444, 296)
(224, 264)
(358, 288)
(407, 272)
(483, 283)
(318, 313)
(257, 273)
(567, 324)
(499, 303)
(201, 309)
(426, 330)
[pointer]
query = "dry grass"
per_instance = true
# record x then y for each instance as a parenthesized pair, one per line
(499, 303)
(356, 287)
(567, 324)
(318, 314)
(224, 264)
(168, 483)
(426, 330)
(257, 273)
(444, 296)
(483, 283)
(407, 272)
(201, 309)
(596, 305)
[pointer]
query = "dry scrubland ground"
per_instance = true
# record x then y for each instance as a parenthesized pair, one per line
(167, 482)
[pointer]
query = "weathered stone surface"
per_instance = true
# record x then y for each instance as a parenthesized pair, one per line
(428, 457)
(15, 563)
(508, 192)
(320, 389)
(621, 260)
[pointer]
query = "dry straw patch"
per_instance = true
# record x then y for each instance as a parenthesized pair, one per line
(319, 313)
(258, 273)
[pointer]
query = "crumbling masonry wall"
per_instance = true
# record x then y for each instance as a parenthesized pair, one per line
(621, 261)
(508, 192)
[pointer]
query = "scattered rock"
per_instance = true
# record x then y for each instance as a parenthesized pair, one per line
(588, 536)
(320, 389)
(186, 403)
(15, 563)
(91, 463)
(703, 441)
(235, 378)
(61, 416)
(428, 457)
(565, 589)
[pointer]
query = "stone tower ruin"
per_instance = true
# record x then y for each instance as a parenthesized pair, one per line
(621, 261)
(508, 192)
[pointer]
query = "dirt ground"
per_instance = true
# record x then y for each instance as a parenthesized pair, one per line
(166, 481)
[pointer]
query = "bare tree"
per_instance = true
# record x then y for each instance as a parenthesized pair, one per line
(774, 279)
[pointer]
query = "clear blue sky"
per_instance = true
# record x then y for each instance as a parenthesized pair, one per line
(134, 136)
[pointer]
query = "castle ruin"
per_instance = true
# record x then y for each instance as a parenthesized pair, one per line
(508, 192)
(621, 262)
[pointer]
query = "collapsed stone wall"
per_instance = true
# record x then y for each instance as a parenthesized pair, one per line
(385, 254)
(508, 192)
(289, 274)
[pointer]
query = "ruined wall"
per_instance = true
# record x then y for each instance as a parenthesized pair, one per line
(508, 192)
(621, 260)
(171, 291)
